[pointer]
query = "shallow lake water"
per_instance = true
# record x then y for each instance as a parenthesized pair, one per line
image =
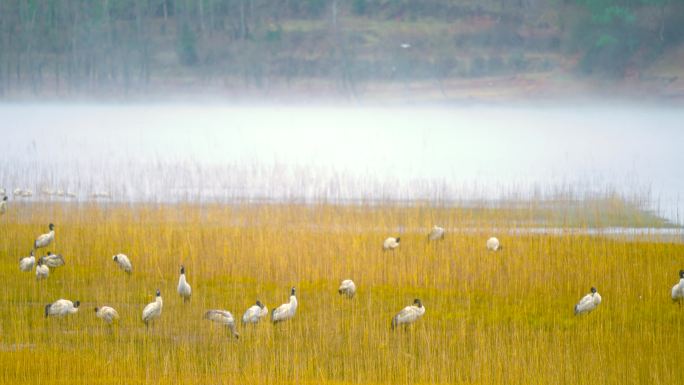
(171, 152)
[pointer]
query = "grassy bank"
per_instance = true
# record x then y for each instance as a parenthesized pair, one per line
(502, 317)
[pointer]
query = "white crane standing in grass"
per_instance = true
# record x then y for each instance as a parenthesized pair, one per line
(391, 243)
(42, 270)
(61, 308)
(184, 289)
(409, 314)
(678, 289)
(285, 311)
(123, 262)
(493, 244)
(27, 263)
(153, 310)
(3, 205)
(223, 317)
(45, 239)
(107, 314)
(347, 288)
(255, 313)
(588, 303)
(53, 260)
(436, 233)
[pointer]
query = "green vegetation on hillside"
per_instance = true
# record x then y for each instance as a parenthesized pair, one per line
(71, 46)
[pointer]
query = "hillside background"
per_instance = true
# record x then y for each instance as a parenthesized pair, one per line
(356, 49)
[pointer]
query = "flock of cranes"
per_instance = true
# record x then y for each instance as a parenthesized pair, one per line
(258, 311)
(49, 192)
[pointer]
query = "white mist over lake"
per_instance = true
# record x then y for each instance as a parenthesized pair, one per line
(170, 152)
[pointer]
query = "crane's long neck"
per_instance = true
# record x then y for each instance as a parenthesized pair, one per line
(293, 301)
(159, 300)
(182, 278)
(52, 233)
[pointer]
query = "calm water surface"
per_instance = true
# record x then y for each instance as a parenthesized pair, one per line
(169, 152)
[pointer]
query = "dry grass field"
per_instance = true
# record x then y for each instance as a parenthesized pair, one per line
(492, 317)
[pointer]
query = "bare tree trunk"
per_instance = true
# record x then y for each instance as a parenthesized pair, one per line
(243, 24)
(212, 25)
(661, 32)
(200, 10)
(334, 14)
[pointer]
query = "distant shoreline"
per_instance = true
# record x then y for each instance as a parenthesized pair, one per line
(511, 89)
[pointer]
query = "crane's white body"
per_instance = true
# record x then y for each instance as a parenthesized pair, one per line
(53, 260)
(408, 315)
(153, 310)
(678, 291)
(223, 317)
(347, 288)
(184, 289)
(107, 314)
(588, 303)
(123, 262)
(44, 240)
(493, 244)
(42, 271)
(390, 243)
(285, 311)
(436, 233)
(254, 314)
(61, 308)
(27, 263)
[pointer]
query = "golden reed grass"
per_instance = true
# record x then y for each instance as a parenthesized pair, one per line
(492, 318)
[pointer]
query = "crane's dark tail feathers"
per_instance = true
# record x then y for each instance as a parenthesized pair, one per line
(47, 309)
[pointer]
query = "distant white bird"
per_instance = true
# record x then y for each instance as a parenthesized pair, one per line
(42, 270)
(391, 243)
(405, 45)
(61, 308)
(3, 205)
(45, 239)
(3, 191)
(436, 233)
(27, 263)
(53, 260)
(123, 262)
(588, 303)
(347, 288)
(493, 244)
(17, 191)
(285, 311)
(255, 313)
(184, 289)
(222, 317)
(26, 194)
(678, 289)
(107, 314)
(70, 194)
(101, 194)
(153, 310)
(409, 314)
